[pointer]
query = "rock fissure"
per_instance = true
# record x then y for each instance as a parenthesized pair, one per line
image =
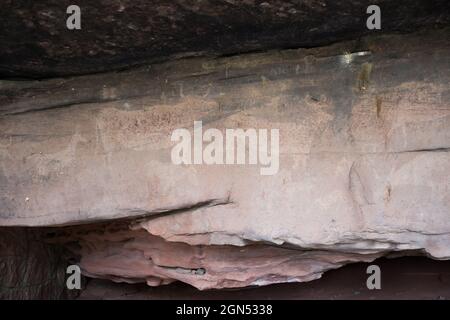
(363, 171)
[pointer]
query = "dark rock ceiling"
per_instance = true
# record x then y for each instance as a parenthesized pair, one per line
(35, 42)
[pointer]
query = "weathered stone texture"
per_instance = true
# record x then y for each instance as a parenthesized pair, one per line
(117, 34)
(364, 157)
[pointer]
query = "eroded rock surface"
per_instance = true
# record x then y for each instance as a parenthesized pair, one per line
(364, 161)
(116, 252)
(116, 34)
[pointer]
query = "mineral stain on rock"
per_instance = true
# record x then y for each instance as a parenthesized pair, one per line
(378, 104)
(85, 152)
(364, 76)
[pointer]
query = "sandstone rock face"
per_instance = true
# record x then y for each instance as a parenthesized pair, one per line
(116, 34)
(134, 256)
(364, 167)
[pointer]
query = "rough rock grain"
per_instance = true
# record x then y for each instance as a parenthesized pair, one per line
(113, 251)
(364, 154)
(117, 34)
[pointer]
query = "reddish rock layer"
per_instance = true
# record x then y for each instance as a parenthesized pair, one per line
(134, 256)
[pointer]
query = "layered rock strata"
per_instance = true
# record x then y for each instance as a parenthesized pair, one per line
(364, 164)
(118, 34)
(135, 256)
